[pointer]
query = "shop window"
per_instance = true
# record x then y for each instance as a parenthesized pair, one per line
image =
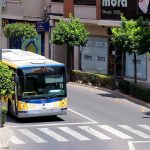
(85, 2)
(94, 56)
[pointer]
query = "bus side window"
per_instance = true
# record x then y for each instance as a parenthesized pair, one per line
(20, 82)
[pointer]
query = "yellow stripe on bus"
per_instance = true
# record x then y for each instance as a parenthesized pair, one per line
(9, 64)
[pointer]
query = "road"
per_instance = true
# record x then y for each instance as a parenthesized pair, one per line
(96, 119)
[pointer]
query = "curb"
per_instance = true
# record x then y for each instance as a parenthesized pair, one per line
(117, 94)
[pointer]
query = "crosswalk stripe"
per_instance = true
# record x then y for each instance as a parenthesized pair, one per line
(137, 132)
(16, 140)
(115, 132)
(53, 134)
(32, 136)
(74, 133)
(145, 127)
(94, 132)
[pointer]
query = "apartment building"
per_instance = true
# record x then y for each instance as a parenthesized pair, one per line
(99, 16)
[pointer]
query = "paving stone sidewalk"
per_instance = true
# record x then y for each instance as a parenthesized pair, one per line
(5, 135)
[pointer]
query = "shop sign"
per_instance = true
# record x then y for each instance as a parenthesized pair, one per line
(113, 8)
(42, 26)
(131, 9)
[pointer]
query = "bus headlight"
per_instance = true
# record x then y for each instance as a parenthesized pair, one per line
(63, 103)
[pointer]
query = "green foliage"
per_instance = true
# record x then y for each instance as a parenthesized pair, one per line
(94, 79)
(133, 36)
(6, 83)
(135, 90)
(140, 92)
(18, 30)
(71, 33)
(4, 112)
(124, 86)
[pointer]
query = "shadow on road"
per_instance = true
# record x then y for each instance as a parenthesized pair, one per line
(110, 95)
(14, 119)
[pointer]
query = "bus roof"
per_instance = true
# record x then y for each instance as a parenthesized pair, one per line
(17, 58)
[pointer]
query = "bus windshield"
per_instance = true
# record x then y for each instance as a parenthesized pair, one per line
(42, 82)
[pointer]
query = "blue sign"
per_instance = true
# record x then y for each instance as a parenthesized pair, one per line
(42, 26)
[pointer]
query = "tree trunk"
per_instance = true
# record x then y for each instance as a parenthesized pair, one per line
(123, 64)
(135, 69)
(70, 58)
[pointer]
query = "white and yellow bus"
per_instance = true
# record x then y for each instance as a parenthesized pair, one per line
(40, 84)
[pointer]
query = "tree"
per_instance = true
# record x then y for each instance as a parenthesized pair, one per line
(20, 30)
(72, 33)
(133, 37)
(6, 83)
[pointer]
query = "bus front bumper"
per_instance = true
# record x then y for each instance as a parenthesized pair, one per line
(40, 113)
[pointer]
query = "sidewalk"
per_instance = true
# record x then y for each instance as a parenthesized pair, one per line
(132, 99)
(5, 135)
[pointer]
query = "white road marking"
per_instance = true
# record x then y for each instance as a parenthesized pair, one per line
(131, 146)
(74, 133)
(115, 132)
(53, 124)
(75, 112)
(32, 136)
(137, 132)
(145, 127)
(53, 134)
(16, 140)
(94, 132)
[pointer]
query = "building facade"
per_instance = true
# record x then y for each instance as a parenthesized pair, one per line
(30, 11)
(99, 16)
(99, 55)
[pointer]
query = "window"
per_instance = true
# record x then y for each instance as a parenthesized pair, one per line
(58, 1)
(42, 81)
(85, 2)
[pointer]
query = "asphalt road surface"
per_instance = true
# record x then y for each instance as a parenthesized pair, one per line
(96, 120)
